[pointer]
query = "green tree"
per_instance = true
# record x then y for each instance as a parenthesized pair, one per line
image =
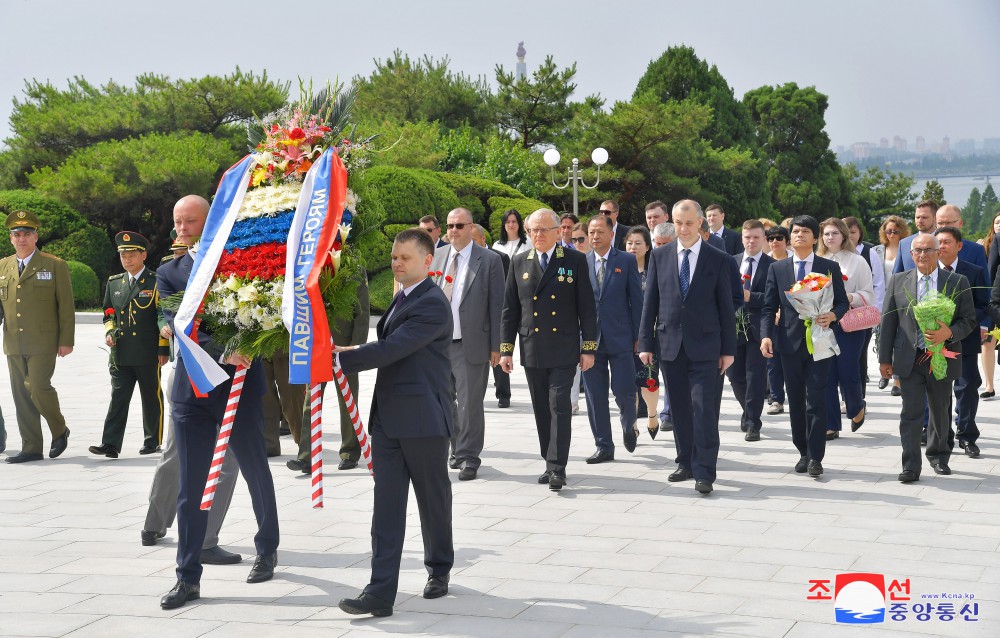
(878, 193)
(536, 108)
(679, 75)
(934, 191)
(424, 90)
(494, 158)
(990, 206)
(972, 212)
(803, 176)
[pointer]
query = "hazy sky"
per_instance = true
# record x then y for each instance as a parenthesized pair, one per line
(890, 68)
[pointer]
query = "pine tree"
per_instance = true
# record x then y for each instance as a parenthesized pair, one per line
(972, 212)
(934, 191)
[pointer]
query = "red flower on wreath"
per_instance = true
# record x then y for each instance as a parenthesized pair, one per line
(296, 134)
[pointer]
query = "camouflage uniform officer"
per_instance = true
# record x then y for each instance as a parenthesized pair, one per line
(39, 323)
(132, 332)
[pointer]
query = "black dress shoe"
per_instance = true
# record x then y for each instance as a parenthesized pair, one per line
(263, 568)
(989, 394)
(752, 435)
(971, 449)
(347, 464)
(180, 594)
(631, 437)
(468, 474)
(149, 449)
(436, 587)
(801, 466)
(940, 467)
(680, 474)
(896, 392)
(855, 424)
(882, 383)
(666, 425)
(149, 538)
(543, 478)
(283, 429)
(104, 449)
(218, 556)
(365, 604)
(744, 427)
(703, 487)
(601, 456)
(923, 438)
(297, 466)
(25, 457)
(454, 463)
(273, 453)
(906, 476)
(832, 434)
(503, 403)
(815, 468)
(59, 444)
(557, 480)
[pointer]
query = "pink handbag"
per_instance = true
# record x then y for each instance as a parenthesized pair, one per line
(861, 318)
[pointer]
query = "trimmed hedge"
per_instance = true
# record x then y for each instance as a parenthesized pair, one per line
(407, 194)
(500, 205)
(86, 287)
(374, 250)
(88, 245)
(380, 292)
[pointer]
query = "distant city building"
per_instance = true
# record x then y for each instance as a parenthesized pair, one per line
(898, 143)
(965, 147)
(920, 144)
(883, 142)
(945, 146)
(861, 150)
(936, 148)
(991, 146)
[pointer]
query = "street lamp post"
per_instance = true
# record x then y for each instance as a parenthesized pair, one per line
(599, 157)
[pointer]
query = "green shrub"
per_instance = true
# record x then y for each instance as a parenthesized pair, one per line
(475, 206)
(380, 290)
(407, 194)
(374, 251)
(500, 205)
(391, 230)
(86, 289)
(90, 246)
(478, 186)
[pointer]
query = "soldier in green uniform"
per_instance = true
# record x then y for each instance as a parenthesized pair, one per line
(39, 323)
(132, 331)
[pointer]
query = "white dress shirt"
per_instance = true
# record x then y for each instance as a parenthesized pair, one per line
(795, 264)
(692, 258)
(756, 262)
(23, 263)
(457, 286)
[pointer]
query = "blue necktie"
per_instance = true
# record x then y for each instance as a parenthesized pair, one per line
(544, 258)
(685, 273)
(802, 271)
(748, 274)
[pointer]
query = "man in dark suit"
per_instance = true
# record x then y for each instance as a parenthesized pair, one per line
(902, 351)
(748, 374)
(566, 223)
(806, 377)
(689, 304)
(473, 282)
(926, 220)
(716, 222)
(609, 207)
(410, 423)
(433, 227)
(131, 330)
(501, 380)
(967, 385)
(617, 286)
(196, 424)
(549, 302)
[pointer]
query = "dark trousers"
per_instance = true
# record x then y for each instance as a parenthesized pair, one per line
(694, 388)
(398, 462)
(967, 397)
(501, 381)
(863, 362)
(123, 382)
(805, 382)
(747, 376)
(920, 389)
(550, 390)
(282, 401)
(776, 376)
(622, 385)
(845, 378)
(196, 426)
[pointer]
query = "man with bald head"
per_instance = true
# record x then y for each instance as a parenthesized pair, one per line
(473, 283)
(549, 302)
(196, 424)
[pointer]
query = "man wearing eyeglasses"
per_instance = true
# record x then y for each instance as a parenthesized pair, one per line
(610, 208)
(431, 225)
(549, 302)
(473, 283)
(927, 218)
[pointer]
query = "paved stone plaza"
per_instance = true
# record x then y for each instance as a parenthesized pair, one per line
(619, 552)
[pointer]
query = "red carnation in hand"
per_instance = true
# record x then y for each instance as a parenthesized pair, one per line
(746, 277)
(448, 278)
(845, 277)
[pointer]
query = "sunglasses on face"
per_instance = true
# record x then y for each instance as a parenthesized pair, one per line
(893, 231)
(579, 240)
(775, 239)
(459, 226)
(604, 211)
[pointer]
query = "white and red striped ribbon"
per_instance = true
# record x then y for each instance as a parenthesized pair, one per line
(222, 443)
(316, 441)
(352, 410)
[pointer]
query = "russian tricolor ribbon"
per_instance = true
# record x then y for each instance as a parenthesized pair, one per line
(310, 239)
(204, 371)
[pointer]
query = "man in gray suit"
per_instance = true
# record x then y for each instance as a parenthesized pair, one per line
(903, 351)
(473, 281)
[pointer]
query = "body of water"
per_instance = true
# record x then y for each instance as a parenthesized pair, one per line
(958, 188)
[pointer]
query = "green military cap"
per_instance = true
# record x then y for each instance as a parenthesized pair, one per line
(23, 219)
(128, 240)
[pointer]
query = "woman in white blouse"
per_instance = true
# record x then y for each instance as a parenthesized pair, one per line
(835, 244)
(513, 239)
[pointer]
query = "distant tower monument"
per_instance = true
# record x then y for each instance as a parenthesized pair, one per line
(521, 70)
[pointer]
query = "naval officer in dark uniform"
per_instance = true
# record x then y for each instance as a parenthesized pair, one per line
(132, 325)
(549, 302)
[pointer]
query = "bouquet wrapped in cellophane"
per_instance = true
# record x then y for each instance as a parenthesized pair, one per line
(935, 307)
(812, 297)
